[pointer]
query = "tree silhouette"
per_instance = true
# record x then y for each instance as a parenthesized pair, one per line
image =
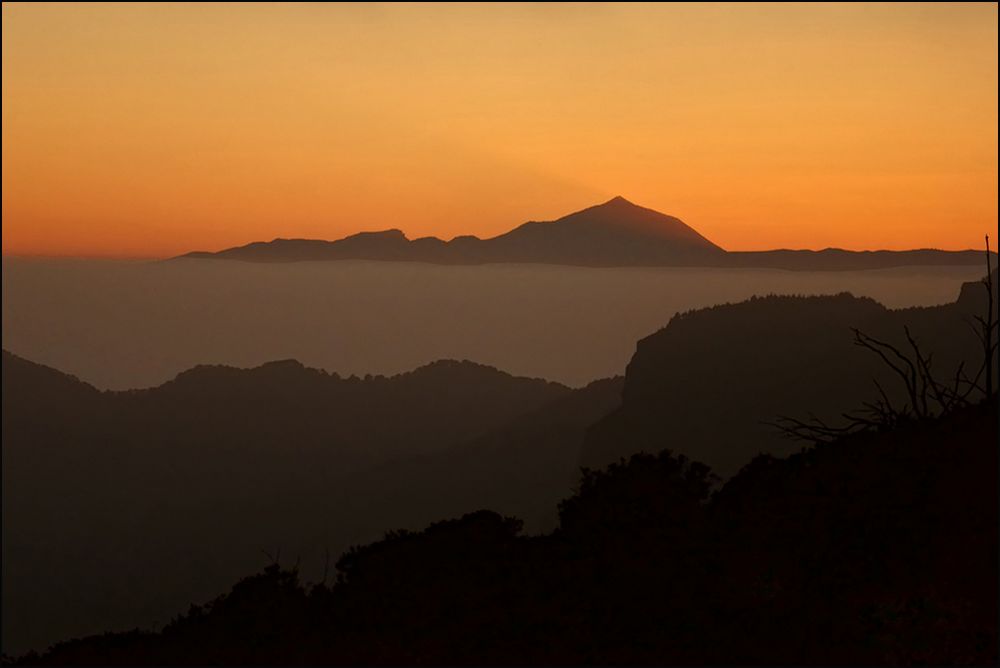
(988, 325)
(926, 396)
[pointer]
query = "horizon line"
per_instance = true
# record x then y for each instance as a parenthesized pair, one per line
(157, 258)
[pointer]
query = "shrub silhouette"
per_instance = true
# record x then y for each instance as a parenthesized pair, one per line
(646, 495)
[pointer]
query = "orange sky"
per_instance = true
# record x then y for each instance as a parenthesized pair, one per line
(152, 130)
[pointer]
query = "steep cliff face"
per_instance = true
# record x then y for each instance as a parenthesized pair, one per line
(708, 383)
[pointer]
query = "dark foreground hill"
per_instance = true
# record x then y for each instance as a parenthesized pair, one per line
(616, 233)
(192, 479)
(712, 381)
(880, 548)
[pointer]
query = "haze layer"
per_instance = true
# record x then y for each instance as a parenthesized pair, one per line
(135, 324)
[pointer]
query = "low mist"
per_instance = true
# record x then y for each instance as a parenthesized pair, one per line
(121, 324)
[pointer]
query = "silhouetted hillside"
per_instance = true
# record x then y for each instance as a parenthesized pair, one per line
(880, 548)
(709, 382)
(284, 403)
(192, 479)
(522, 468)
(616, 233)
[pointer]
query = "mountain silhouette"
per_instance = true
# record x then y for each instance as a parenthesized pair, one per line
(611, 234)
(440, 404)
(190, 480)
(234, 461)
(710, 382)
(522, 468)
(616, 233)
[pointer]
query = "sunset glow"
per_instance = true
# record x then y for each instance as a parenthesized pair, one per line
(152, 130)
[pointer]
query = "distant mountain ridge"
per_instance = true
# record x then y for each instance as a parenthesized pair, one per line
(616, 233)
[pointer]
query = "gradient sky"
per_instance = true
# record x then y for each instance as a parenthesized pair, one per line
(132, 130)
